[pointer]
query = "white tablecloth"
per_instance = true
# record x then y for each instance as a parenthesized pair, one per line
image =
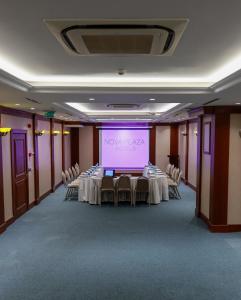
(89, 189)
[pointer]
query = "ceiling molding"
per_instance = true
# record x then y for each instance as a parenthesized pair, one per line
(14, 82)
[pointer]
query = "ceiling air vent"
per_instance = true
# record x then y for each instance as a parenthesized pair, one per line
(123, 106)
(118, 37)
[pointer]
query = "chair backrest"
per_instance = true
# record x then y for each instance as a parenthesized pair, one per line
(124, 182)
(64, 178)
(179, 178)
(107, 182)
(142, 185)
(168, 169)
(74, 172)
(77, 165)
(71, 173)
(175, 175)
(77, 170)
(67, 175)
(171, 169)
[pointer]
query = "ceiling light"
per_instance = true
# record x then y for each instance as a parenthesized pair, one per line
(152, 99)
(92, 99)
(32, 108)
(157, 114)
(17, 104)
(238, 103)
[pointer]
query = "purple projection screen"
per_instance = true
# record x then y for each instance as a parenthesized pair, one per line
(124, 148)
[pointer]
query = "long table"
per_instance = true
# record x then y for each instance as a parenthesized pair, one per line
(89, 188)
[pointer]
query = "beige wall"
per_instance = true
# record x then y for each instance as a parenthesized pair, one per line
(182, 149)
(15, 123)
(67, 149)
(205, 185)
(234, 182)
(44, 158)
(85, 147)
(162, 146)
(58, 154)
(192, 155)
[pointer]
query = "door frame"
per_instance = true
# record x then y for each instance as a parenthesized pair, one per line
(22, 131)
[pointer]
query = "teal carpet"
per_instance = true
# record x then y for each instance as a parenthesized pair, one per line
(71, 250)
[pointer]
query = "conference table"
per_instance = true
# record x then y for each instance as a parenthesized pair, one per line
(89, 186)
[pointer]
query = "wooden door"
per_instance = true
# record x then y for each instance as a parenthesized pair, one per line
(19, 171)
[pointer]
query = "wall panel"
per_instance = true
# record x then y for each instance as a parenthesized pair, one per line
(162, 146)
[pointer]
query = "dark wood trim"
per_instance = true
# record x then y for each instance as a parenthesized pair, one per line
(191, 186)
(63, 147)
(219, 168)
(187, 151)
(15, 112)
(10, 221)
(57, 121)
(14, 131)
(31, 205)
(174, 157)
(36, 158)
(42, 197)
(2, 227)
(75, 144)
(58, 184)
(2, 214)
(95, 145)
(220, 228)
(199, 165)
(52, 155)
(152, 153)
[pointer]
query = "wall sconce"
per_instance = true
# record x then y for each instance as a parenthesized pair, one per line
(66, 132)
(55, 132)
(39, 132)
(195, 131)
(4, 131)
(183, 133)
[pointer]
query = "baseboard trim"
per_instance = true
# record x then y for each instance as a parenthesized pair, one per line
(2, 227)
(58, 185)
(220, 228)
(191, 186)
(44, 196)
(10, 221)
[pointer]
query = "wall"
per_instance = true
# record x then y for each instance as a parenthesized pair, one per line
(15, 123)
(234, 180)
(162, 146)
(205, 185)
(85, 147)
(182, 149)
(192, 154)
(44, 158)
(57, 154)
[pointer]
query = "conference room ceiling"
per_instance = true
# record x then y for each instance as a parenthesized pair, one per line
(204, 66)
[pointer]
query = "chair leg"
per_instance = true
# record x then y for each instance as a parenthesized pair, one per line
(179, 196)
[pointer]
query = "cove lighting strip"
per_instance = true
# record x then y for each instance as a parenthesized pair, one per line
(82, 108)
(228, 68)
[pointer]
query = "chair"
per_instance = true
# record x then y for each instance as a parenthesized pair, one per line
(77, 170)
(142, 187)
(74, 172)
(71, 174)
(71, 187)
(173, 185)
(124, 185)
(168, 169)
(67, 176)
(107, 185)
(171, 170)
